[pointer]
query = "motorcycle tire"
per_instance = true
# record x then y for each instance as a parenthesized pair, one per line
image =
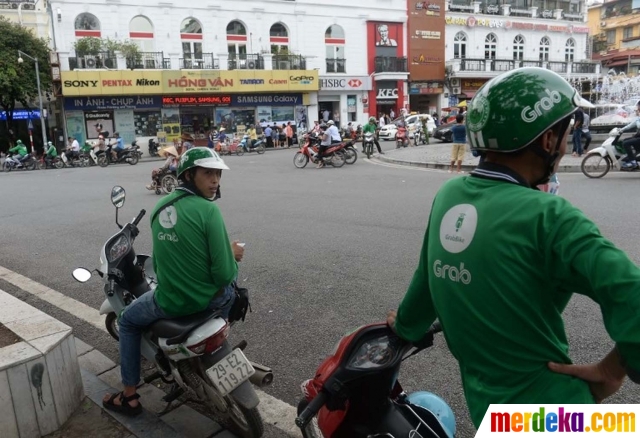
(260, 149)
(133, 159)
(369, 149)
(240, 152)
(338, 159)
(300, 160)
(6, 167)
(111, 321)
(312, 430)
(33, 165)
(59, 164)
(597, 160)
(42, 165)
(351, 155)
(103, 160)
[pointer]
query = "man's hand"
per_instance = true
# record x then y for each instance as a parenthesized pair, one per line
(238, 250)
(391, 319)
(604, 378)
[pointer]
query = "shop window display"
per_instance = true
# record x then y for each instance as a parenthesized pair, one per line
(235, 119)
(196, 122)
(147, 123)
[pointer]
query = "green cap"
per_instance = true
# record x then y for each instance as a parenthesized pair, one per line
(200, 157)
(512, 110)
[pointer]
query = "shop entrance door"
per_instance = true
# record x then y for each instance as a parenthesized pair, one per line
(329, 111)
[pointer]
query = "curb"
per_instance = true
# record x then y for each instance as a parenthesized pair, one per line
(465, 167)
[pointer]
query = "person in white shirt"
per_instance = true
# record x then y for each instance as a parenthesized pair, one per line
(74, 148)
(325, 115)
(392, 114)
(331, 136)
(382, 122)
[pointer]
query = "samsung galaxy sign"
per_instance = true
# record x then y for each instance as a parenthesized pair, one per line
(349, 83)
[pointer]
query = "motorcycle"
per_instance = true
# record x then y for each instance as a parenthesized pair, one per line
(191, 353)
(257, 145)
(334, 155)
(129, 155)
(153, 148)
(55, 162)
(611, 153)
(402, 139)
(28, 163)
(416, 136)
(368, 144)
(355, 392)
(74, 161)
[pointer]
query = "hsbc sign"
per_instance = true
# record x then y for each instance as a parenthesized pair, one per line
(347, 83)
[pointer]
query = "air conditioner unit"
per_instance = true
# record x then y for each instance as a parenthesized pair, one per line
(28, 6)
(14, 5)
(455, 82)
(603, 24)
(251, 65)
(284, 65)
(90, 61)
(457, 90)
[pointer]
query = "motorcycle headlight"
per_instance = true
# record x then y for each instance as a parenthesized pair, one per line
(118, 248)
(374, 353)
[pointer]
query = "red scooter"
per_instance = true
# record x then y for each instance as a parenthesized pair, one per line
(402, 139)
(355, 392)
(334, 155)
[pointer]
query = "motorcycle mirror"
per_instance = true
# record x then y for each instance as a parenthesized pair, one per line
(118, 196)
(81, 275)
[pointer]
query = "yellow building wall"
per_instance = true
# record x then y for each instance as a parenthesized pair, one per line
(593, 20)
(617, 24)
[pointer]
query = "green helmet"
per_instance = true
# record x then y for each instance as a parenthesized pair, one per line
(18, 142)
(372, 120)
(200, 157)
(512, 110)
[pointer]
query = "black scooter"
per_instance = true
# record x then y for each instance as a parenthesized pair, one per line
(153, 148)
(129, 155)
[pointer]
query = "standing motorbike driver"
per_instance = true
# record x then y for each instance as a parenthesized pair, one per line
(19, 152)
(500, 260)
(632, 143)
(194, 261)
(50, 153)
(372, 126)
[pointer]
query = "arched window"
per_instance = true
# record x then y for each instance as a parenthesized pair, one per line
(334, 42)
(191, 38)
(279, 38)
(518, 48)
(141, 33)
(544, 49)
(569, 50)
(490, 46)
(460, 45)
(87, 25)
(237, 40)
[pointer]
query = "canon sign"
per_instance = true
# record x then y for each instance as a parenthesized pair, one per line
(346, 84)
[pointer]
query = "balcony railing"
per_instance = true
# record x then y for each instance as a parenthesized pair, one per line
(499, 65)
(200, 61)
(386, 64)
(336, 65)
(289, 62)
(99, 60)
(147, 60)
(245, 62)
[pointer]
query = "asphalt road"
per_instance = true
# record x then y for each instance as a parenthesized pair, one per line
(327, 250)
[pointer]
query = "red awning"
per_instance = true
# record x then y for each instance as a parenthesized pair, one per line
(617, 63)
(469, 94)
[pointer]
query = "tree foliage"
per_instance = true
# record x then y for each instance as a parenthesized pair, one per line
(18, 81)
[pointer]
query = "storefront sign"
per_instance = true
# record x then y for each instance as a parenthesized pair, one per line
(421, 59)
(111, 102)
(349, 83)
(427, 40)
(472, 84)
(430, 8)
(21, 114)
(387, 93)
(507, 24)
(170, 82)
(432, 87)
(196, 100)
(266, 99)
(426, 35)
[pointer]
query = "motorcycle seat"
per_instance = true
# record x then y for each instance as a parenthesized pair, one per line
(177, 330)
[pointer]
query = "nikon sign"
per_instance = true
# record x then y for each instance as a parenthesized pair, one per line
(111, 83)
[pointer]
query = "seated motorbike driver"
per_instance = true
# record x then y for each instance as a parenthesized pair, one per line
(19, 152)
(632, 143)
(119, 148)
(500, 260)
(73, 149)
(50, 153)
(195, 272)
(331, 136)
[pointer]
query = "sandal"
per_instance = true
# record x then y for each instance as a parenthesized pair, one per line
(124, 407)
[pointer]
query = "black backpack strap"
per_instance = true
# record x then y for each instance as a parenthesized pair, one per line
(168, 204)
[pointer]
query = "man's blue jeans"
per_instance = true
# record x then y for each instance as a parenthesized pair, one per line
(577, 141)
(140, 314)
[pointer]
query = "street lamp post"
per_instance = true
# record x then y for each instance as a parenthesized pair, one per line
(44, 131)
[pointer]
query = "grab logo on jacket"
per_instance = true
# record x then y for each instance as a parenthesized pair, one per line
(168, 217)
(458, 227)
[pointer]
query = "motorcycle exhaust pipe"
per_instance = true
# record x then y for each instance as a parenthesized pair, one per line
(263, 375)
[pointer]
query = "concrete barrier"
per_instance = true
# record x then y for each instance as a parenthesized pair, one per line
(40, 380)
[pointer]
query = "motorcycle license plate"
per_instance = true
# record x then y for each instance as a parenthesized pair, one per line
(230, 372)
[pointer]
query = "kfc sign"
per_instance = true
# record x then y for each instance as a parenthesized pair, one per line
(345, 84)
(387, 93)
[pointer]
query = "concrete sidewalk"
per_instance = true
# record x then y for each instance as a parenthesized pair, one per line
(437, 155)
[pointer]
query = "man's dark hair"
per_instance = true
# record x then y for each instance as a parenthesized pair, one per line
(459, 118)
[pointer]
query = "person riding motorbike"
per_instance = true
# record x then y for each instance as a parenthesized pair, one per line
(372, 126)
(117, 151)
(500, 259)
(632, 143)
(331, 136)
(73, 149)
(50, 153)
(170, 165)
(19, 152)
(253, 136)
(102, 146)
(195, 271)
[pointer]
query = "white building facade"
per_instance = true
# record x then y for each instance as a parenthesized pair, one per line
(484, 41)
(226, 63)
